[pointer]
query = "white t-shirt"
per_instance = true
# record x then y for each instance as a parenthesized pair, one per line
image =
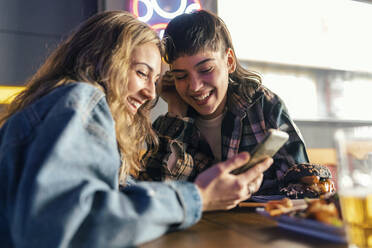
(211, 131)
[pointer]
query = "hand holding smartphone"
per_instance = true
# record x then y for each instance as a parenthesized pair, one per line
(272, 142)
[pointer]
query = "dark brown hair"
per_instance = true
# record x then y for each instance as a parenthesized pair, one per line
(190, 33)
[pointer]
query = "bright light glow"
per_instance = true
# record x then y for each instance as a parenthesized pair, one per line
(157, 17)
(161, 33)
(7, 93)
(332, 34)
(192, 7)
(159, 26)
(297, 91)
(354, 99)
(169, 15)
(149, 11)
(134, 6)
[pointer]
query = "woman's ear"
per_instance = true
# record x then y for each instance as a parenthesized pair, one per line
(231, 60)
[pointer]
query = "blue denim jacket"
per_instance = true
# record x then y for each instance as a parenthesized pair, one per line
(59, 180)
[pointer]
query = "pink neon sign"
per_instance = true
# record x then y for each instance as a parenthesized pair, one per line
(157, 16)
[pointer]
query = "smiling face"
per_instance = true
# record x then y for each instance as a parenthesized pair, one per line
(143, 73)
(202, 80)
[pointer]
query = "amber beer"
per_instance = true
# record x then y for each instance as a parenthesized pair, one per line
(356, 206)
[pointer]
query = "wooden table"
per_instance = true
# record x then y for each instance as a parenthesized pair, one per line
(240, 227)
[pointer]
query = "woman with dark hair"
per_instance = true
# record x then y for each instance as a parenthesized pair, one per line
(77, 128)
(216, 108)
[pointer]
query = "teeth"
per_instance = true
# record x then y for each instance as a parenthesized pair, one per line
(136, 104)
(202, 97)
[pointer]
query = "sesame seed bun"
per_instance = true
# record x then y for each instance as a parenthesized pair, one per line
(294, 185)
(297, 171)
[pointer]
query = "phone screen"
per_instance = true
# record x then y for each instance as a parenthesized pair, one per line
(272, 142)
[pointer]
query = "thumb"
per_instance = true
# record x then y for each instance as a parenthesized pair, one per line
(234, 162)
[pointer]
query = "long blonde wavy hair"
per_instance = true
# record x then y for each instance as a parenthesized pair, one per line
(99, 53)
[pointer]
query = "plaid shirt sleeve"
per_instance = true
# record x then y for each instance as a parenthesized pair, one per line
(184, 138)
(294, 151)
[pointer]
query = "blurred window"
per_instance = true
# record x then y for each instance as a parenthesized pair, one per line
(316, 55)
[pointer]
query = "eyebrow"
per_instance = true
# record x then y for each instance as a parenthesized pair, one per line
(197, 64)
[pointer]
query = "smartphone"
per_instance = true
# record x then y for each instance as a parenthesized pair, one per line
(267, 148)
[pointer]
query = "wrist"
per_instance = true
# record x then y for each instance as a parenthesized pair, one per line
(204, 208)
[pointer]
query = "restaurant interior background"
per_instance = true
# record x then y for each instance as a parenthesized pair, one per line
(315, 54)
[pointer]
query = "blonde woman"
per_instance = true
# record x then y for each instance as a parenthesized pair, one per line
(81, 121)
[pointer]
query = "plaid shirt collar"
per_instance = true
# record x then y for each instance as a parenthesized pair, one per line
(239, 105)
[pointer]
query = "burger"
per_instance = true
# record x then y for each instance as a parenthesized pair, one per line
(307, 180)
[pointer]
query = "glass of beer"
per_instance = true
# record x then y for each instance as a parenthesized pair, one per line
(354, 178)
